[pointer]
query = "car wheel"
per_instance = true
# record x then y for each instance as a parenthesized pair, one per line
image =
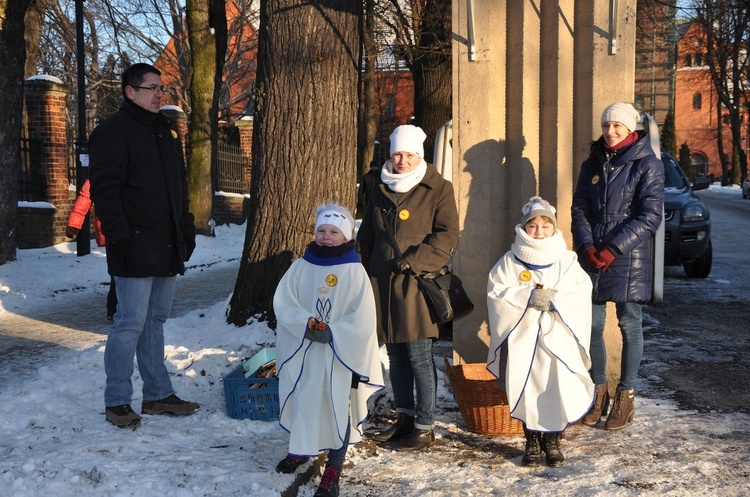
(701, 267)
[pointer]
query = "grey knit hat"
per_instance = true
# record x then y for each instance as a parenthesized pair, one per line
(537, 206)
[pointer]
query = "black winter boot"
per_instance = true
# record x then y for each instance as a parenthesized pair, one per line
(403, 426)
(532, 456)
(551, 448)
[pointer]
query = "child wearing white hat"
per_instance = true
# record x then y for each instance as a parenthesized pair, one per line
(539, 302)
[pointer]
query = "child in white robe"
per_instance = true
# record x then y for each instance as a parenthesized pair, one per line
(327, 352)
(539, 304)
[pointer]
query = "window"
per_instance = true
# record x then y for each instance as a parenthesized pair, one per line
(688, 60)
(697, 101)
(390, 107)
(699, 59)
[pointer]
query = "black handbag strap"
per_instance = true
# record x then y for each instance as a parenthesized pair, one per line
(390, 234)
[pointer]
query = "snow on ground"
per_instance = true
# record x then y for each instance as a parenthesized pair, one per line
(54, 440)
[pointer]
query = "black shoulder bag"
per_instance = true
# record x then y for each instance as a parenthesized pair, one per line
(442, 290)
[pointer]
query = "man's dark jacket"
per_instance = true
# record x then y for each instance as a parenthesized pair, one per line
(139, 189)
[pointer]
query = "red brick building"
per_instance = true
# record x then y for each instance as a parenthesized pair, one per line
(696, 105)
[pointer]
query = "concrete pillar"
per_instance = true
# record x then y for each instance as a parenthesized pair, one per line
(526, 110)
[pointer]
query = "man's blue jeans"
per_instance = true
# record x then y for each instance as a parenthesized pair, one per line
(412, 364)
(143, 305)
(630, 319)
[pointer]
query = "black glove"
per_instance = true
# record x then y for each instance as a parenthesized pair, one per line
(401, 265)
(71, 232)
(120, 252)
(541, 298)
(317, 331)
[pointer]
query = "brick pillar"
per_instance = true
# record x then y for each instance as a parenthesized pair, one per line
(179, 118)
(45, 99)
(245, 127)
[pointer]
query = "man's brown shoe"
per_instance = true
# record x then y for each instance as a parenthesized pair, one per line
(172, 405)
(122, 416)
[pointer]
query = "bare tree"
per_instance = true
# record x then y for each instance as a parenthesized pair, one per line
(304, 139)
(726, 26)
(368, 120)
(207, 28)
(422, 38)
(12, 60)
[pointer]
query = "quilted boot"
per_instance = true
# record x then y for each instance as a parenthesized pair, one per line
(404, 426)
(622, 410)
(599, 409)
(532, 455)
(551, 448)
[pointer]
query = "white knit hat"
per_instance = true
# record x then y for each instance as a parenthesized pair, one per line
(337, 216)
(623, 113)
(408, 138)
(537, 206)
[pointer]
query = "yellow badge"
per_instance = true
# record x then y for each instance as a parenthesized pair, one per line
(174, 134)
(595, 179)
(525, 276)
(403, 215)
(331, 280)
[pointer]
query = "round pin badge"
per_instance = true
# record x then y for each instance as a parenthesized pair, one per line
(595, 179)
(525, 276)
(331, 280)
(174, 134)
(403, 214)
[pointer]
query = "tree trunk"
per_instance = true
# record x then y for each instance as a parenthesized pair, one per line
(304, 139)
(368, 124)
(12, 60)
(203, 54)
(431, 68)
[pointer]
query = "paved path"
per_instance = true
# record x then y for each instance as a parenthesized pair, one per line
(78, 321)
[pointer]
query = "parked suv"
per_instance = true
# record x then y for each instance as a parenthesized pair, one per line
(687, 222)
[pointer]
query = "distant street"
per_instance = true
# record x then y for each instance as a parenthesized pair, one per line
(699, 347)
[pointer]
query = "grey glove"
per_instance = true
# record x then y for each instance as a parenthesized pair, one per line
(541, 298)
(317, 331)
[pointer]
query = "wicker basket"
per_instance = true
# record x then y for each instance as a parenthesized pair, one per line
(483, 406)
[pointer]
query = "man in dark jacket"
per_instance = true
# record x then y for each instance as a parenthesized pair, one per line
(139, 187)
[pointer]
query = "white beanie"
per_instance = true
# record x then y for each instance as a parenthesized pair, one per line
(408, 138)
(337, 216)
(537, 206)
(623, 113)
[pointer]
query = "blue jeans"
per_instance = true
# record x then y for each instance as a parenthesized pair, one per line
(336, 456)
(630, 319)
(143, 305)
(412, 365)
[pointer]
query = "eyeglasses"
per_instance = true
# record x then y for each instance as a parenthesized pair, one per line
(154, 88)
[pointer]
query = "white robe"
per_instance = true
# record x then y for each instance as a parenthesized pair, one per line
(315, 378)
(546, 376)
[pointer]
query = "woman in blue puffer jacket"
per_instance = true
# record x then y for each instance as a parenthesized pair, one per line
(617, 207)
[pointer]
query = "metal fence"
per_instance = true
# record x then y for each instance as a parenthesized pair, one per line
(232, 170)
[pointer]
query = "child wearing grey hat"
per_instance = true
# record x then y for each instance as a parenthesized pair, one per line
(539, 301)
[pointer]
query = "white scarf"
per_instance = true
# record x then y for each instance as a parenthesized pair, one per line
(402, 183)
(539, 252)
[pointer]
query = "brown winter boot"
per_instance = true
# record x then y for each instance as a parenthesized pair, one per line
(622, 410)
(599, 409)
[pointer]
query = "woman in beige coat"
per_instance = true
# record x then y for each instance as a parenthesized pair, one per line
(419, 207)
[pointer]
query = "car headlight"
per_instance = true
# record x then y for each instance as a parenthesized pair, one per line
(694, 212)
